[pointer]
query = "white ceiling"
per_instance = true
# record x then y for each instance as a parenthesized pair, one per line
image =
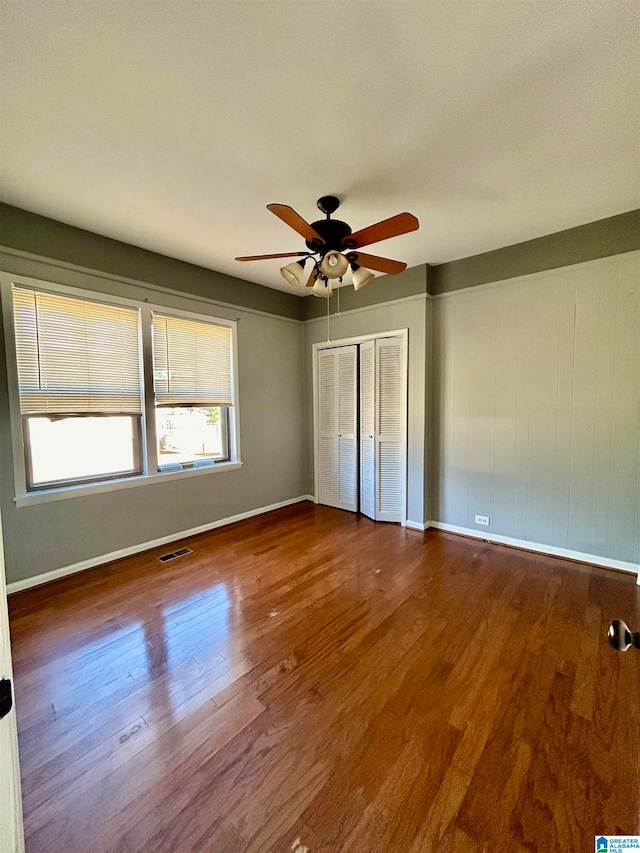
(170, 125)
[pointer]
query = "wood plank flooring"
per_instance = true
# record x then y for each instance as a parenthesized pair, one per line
(312, 680)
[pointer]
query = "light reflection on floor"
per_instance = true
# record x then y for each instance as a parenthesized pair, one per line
(187, 647)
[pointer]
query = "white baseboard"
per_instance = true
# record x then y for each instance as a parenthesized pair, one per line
(551, 550)
(311, 498)
(417, 525)
(91, 563)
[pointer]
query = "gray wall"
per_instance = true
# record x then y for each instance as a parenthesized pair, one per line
(48, 536)
(523, 397)
(23, 231)
(412, 315)
(536, 408)
(600, 239)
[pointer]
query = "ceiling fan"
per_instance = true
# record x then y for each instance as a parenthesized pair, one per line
(334, 248)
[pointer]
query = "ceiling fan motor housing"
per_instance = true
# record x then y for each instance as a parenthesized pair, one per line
(332, 231)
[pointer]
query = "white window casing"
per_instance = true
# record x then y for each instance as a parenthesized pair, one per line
(79, 352)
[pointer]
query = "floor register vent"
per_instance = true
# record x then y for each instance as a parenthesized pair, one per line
(166, 557)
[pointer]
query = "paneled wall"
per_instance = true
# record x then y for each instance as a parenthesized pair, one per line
(536, 408)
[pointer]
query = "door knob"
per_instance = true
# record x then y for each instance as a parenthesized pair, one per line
(6, 697)
(621, 638)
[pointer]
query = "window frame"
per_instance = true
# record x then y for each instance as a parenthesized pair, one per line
(32, 488)
(151, 473)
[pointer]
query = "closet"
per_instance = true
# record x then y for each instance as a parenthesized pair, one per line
(360, 427)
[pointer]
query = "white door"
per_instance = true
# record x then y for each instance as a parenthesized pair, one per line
(11, 832)
(367, 429)
(382, 429)
(337, 422)
(390, 429)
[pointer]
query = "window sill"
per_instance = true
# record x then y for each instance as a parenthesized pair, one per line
(45, 496)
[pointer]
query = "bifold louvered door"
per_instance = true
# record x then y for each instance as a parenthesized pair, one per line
(382, 429)
(337, 421)
(389, 429)
(367, 428)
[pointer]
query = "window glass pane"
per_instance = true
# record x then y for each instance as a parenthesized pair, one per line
(81, 448)
(186, 434)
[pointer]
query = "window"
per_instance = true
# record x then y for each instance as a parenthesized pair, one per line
(80, 388)
(193, 390)
(114, 390)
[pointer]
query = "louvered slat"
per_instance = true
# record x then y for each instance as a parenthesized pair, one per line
(390, 388)
(328, 446)
(327, 393)
(328, 471)
(347, 391)
(348, 495)
(389, 479)
(347, 425)
(337, 419)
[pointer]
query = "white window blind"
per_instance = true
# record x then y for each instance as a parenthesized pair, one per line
(76, 356)
(192, 362)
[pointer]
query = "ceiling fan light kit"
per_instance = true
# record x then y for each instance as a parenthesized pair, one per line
(326, 241)
(334, 264)
(322, 287)
(361, 276)
(294, 273)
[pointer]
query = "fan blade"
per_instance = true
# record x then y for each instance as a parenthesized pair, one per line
(373, 262)
(312, 277)
(392, 227)
(295, 221)
(266, 257)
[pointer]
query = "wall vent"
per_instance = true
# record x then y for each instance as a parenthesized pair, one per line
(166, 557)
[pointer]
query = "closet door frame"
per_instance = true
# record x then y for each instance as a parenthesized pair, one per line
(396, 333)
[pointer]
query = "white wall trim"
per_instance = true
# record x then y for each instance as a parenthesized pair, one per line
(41, 259)
(358, 339)
(335, 314)
(529, 276)
(417, 525)
(76, 268)
(92, 562)
(81, 491)
(550, 550)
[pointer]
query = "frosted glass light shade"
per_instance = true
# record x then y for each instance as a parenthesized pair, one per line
(361, 276)
(322, 288)
(334, 264)
(294, 273)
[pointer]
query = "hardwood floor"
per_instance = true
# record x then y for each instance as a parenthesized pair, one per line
(310, 680)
